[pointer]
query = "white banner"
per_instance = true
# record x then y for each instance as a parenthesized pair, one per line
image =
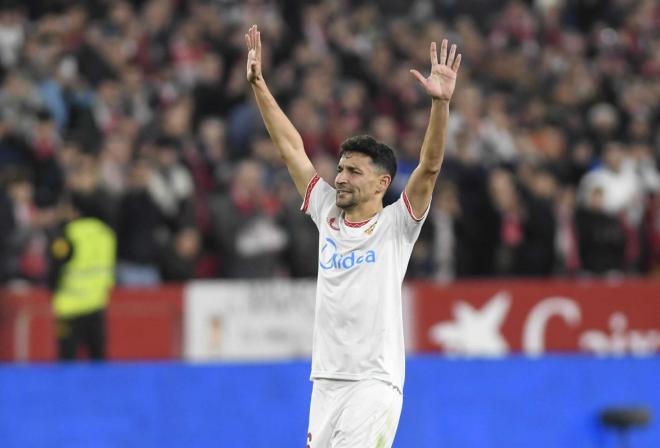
(248, 320)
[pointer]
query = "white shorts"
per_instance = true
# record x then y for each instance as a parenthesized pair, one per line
(353, 414)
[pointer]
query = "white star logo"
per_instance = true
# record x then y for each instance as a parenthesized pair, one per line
(474, 332)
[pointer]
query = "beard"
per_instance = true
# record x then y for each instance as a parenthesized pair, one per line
(345, 200)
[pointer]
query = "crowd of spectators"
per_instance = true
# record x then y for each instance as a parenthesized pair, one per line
(142, 106)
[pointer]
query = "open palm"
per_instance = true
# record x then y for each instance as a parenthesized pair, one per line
(253, 42)
(441, 82)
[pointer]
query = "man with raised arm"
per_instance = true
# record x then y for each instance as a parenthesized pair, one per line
(358, 358)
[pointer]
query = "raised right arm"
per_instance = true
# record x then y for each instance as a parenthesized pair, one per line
(285, 137)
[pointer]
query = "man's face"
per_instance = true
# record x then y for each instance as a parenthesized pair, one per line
(613, 157)
(357, 180)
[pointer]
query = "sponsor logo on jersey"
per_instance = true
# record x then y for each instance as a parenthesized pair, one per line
(330, 258)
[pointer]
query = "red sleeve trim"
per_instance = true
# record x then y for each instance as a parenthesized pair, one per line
(409, 207)
(310, 186)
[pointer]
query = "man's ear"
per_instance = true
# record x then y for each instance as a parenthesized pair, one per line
(384, 182)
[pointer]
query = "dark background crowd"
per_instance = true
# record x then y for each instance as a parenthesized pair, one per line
(142, 108)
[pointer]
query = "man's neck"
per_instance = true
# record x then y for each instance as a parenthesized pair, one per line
(363, 213)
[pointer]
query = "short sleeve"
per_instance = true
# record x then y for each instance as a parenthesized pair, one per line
(407, 223)
(318, 196)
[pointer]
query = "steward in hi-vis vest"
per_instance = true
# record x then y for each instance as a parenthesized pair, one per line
(83, 271)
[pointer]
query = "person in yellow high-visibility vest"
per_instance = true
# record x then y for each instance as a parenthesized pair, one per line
(83, 254)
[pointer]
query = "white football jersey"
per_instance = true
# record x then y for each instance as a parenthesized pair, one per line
(358, 330)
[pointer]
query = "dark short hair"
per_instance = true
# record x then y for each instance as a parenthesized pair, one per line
(84, 203)
(381, 155)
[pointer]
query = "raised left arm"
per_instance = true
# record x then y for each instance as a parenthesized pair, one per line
(440, 87)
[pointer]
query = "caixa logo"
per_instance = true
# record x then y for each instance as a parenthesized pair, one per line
(331, 259)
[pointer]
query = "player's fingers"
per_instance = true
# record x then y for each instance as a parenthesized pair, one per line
(247, 42)
(419, 76)
(443, 52)
(452, 55)
(434, 54)
(457, 63)
(258, 44)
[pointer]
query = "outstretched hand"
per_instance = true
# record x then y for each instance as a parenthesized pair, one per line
(253, 42)
(442, 80)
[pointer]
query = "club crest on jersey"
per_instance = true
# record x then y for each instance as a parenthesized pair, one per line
(332, 222)
(330, 258)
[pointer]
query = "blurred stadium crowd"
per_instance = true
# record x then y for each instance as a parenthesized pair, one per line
(142, 109)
